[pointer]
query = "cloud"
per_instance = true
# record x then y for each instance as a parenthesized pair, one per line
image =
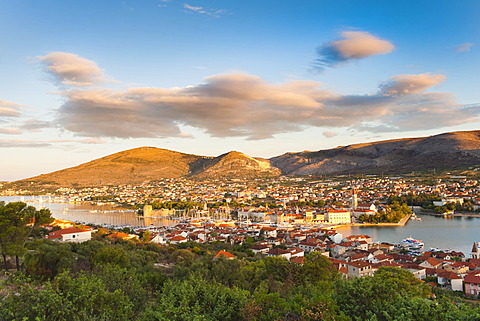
(46, 143)
(10, 131)
(247, 106)
(35, 125)
(8, 113)
(9, 109)
(464, 47)
(352, 45)
(206, 11)
(14, 143)
(73, 70)
(408, 84)
(329, 134)
(79, 141)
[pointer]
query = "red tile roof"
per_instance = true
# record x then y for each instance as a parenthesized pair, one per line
(71, 230)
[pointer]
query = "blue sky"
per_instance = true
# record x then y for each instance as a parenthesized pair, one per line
(83, 79)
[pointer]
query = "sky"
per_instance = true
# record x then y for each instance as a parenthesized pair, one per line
(81, 80)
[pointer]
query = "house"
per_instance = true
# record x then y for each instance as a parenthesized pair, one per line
(296, 252)
(359, 269)
(381, 258)
(123, 236)
(358, 238)
(367, 207)
(420, 273)
(450, 281)
(358, 212)
(225, 254)
(431, 263)
(157, 238)
(472, 283)
(260, 249)
(307, 246)
(71, 234)
(279, 253)
(298, 260)
(457, 267)
(178, 239)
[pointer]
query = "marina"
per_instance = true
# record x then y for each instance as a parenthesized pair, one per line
(456, 233)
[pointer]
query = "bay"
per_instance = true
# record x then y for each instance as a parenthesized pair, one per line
(88, 213)
(457, 233)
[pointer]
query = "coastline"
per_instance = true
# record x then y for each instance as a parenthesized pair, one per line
(464, 214)
(402, 222)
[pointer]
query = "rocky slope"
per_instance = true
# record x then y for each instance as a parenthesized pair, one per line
(449, 150)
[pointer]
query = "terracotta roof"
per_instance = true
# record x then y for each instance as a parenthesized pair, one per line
(473, 277)
(71, 230)
(225, 253)
(297, 259)
(278, 251)
(178, 238)
(449, 275)
(119, 235)
(359, 264)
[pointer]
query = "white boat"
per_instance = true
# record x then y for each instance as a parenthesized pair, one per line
(411, 243)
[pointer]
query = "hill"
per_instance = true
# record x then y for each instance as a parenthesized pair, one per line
(235, 165)
(444, 151)
(133, 166)
(144, 164)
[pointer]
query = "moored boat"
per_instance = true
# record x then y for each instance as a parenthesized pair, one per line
(411, 243)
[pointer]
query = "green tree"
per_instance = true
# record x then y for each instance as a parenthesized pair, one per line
(47, 258)
(196, 299)
(385, 296)
(17, 223)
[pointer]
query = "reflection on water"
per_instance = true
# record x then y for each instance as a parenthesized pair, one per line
(85, 212)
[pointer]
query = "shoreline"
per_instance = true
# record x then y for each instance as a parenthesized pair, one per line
(468, 214)
(402, 222)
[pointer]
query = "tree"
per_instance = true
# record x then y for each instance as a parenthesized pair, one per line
(47, 258)
(385, 296)
(196, 299)
(17, 223)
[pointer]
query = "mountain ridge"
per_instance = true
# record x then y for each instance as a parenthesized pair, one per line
(144, 164)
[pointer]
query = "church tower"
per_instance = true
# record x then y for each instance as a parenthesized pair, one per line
(354, 199)
(475, 251)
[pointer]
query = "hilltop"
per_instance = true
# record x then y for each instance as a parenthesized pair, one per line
(133, 166)
(144, 164)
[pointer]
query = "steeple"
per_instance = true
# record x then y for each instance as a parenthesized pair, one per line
(354, 199)
(475, 253)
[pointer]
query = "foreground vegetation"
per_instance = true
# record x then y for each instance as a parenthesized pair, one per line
(112, 279)
(118, 280)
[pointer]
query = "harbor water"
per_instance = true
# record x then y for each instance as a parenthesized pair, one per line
(455, 233)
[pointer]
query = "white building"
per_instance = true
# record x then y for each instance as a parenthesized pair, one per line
(71, 234)
(338, 217)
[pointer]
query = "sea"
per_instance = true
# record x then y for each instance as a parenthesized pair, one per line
(443, 233)
(91, 213)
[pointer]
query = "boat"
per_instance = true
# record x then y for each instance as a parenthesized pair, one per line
(411, 243)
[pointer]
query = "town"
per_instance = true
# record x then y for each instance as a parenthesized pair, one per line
(292, 217)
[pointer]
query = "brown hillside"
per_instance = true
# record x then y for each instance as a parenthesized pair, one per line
(234, 165)
(133, 166)
(448, 150)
